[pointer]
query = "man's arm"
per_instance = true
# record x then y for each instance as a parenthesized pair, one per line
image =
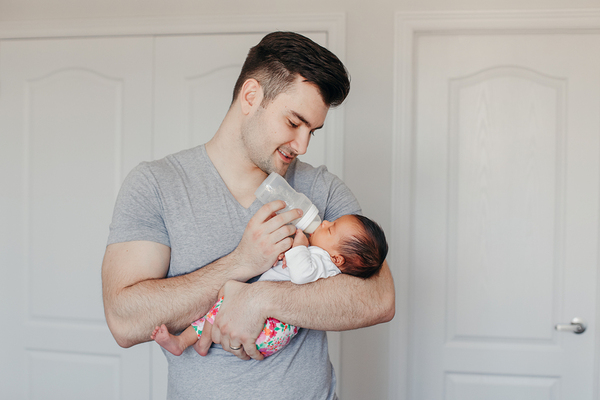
(138, 297)
(339, 303)
(342, 302)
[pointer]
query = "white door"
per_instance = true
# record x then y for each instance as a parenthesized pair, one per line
(505, 216)
(75, 116)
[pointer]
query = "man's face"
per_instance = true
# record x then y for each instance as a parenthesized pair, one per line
(275, 135)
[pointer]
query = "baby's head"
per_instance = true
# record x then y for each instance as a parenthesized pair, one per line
(356, 244)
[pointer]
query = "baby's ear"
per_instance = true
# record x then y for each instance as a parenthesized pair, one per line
(338, 260)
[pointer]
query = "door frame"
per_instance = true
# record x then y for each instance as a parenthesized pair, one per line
(408, 27)
(333, 24)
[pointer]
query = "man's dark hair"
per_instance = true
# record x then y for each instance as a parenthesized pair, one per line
(280, 57)
(364, 252)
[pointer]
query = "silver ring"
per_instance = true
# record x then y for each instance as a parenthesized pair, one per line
(235, 348)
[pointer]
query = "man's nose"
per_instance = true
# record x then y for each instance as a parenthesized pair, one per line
(300, 143)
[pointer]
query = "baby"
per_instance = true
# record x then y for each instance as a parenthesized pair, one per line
(352, 245)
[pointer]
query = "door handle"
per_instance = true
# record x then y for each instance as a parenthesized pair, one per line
(577, 325)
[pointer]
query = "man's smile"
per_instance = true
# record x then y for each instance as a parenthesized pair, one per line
(287, 157)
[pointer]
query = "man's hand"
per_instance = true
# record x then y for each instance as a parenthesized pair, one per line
(238, 323)
(267, 235)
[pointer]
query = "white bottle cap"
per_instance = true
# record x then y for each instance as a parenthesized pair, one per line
(310, 229)
(307, 218)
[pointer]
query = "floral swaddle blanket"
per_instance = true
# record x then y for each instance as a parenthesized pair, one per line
(274, 336)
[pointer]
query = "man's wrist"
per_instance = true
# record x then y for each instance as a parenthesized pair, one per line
(268, 299)
(243, 271)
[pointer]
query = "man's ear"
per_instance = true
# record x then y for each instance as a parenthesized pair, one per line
(250, 96)
(338, 260)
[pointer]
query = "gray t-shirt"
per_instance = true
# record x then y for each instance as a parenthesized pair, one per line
(182, 202)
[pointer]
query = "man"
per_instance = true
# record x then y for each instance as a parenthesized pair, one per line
(188, 227)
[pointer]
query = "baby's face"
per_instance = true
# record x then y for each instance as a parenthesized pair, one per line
(329, 234)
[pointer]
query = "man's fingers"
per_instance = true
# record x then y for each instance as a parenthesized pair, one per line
(283, 219)
(267, 211)
(215, 334)
(253, 352)
(265, 237)
(205, 341)
(239, 321)
(284, 232)
(239, 352)
(243, 351)
(227, 345)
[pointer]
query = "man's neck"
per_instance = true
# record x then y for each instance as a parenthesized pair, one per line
(240, 175)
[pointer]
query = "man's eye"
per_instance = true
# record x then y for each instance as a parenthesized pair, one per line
(293, 125)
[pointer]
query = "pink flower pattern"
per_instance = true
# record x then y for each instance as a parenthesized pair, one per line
(274, 336)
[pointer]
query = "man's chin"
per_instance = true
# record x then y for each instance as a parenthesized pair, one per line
(274, 165)
(281, 170)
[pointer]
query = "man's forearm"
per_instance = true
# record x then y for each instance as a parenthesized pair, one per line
(339, 303)
(137, 309)
(134, 310)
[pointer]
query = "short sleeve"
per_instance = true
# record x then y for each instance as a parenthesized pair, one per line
(328, 192)
(138, 212)
(341, 201)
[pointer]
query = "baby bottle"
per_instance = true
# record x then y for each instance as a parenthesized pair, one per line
(276, 188)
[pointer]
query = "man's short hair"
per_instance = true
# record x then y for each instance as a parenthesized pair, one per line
(281, 57)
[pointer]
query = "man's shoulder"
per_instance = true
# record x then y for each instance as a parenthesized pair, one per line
(169, 166)
(301, 168)
(328, 192)
(305, 178)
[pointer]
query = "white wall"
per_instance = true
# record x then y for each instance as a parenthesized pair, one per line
(369, 112)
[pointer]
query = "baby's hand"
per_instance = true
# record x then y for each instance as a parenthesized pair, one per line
(281, 257)
(300, 239)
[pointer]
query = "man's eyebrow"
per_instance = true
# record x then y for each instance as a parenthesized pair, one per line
(301, 118)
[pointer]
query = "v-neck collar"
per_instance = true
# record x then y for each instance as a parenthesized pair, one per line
(256, 204)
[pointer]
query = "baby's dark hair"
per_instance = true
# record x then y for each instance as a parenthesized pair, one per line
(364, 253)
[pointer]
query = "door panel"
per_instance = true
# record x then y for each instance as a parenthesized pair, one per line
(505, 216)
(75, 117)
